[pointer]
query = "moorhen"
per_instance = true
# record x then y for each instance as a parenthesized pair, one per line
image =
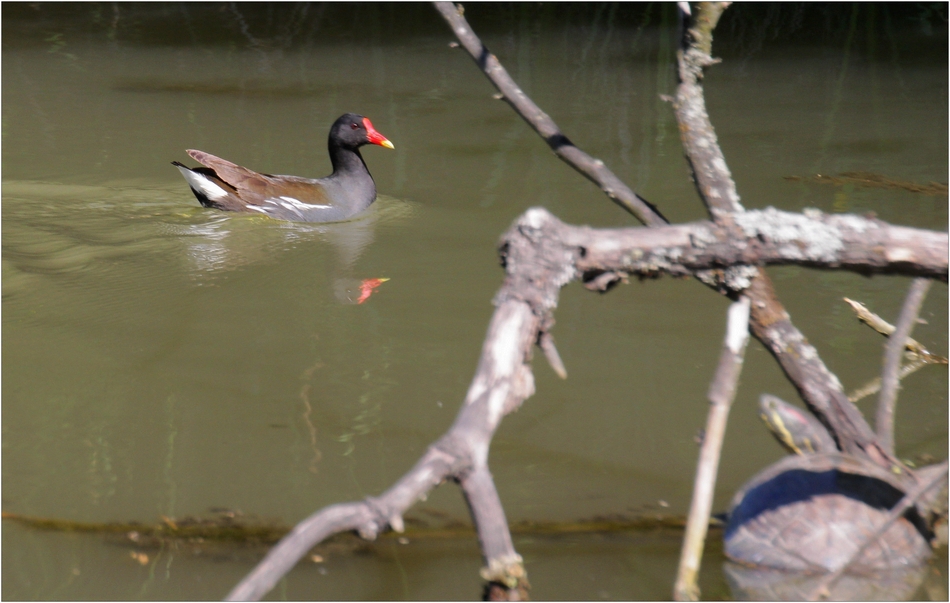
(344, 193)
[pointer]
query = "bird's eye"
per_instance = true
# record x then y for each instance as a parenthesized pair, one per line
(355, 126)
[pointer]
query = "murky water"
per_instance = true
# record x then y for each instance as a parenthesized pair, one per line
(160, 358)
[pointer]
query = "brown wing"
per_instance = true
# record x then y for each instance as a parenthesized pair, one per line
(304, 190)
(253, 188)
(250, 186)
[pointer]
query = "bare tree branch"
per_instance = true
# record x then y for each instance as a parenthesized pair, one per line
(713, 179)
(537, 266)
(281, 558)
(919, 356)
(591, 168)
(874, 385)
(541, 254)
(770, 324)
(770, 236)
(819, 388)
(890, 380)
(502, 382)
(886, 329)
(722, 391)
(504, 564)
(369, 518)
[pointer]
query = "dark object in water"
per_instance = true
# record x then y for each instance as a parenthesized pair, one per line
(810, 513)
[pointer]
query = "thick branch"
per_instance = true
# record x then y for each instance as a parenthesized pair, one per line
(537, 267)
(504, 565)
(819, 388)
(671, 249)
(713, 179)
(771, 324)
(717, 190)
(541, 254)
(591, 168)
(768, 237)
(369, 518)
(502, 382)
(701, 30)
(280, 559)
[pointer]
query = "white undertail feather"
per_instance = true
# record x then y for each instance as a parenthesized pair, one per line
(203, 184)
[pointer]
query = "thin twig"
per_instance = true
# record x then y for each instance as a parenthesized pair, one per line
(909, 499)
(919, 356)
(590, 167)
(892, 358)
(722, 391)
(886, 329)
(874, 385)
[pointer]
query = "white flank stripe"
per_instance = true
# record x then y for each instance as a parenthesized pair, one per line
(302, 205)
(283, 205)
(289, 203)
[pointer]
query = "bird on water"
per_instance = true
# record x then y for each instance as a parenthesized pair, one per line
(347, 191)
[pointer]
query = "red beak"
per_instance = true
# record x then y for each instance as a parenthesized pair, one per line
(375, 137)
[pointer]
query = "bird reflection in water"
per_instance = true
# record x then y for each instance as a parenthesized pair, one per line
(228, 241)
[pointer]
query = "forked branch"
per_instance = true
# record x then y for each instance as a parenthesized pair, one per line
(541, 255)
(771, 323)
